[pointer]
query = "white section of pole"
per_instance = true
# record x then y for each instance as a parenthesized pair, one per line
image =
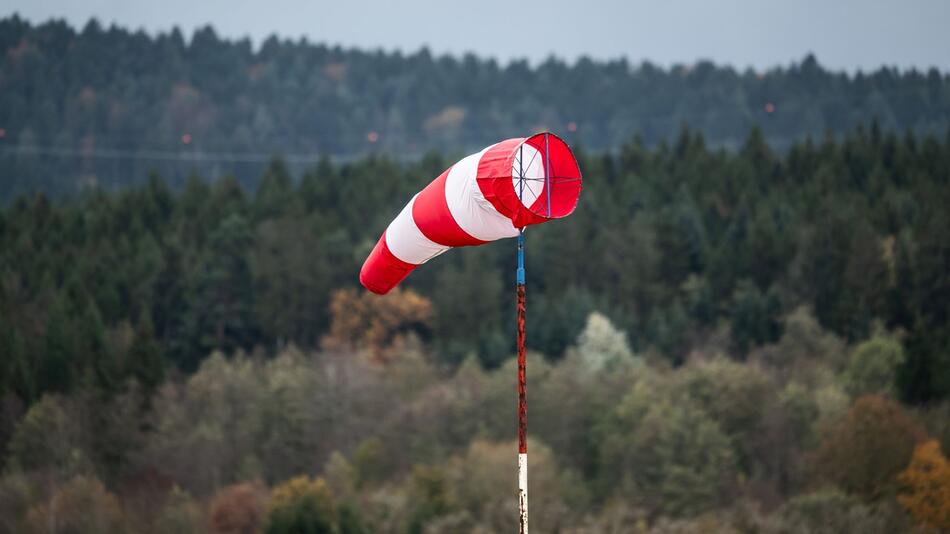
(523, 492)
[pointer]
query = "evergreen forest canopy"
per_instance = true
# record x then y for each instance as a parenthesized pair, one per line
(679, 245)
(103, 106)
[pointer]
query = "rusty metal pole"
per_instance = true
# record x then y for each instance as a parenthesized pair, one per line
(522, 386)
(522, 381)
(522, 398)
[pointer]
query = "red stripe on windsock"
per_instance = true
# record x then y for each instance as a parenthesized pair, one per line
(495, 183)
(431, 214)
(382, 270)
(495, 165)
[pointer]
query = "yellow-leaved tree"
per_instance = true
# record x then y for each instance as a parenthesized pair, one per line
(302, 504)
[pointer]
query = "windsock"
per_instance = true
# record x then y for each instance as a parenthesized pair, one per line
(484, 197)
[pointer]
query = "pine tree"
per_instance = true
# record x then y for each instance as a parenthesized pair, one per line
(56, 369)
(145, 361)
(220, 308)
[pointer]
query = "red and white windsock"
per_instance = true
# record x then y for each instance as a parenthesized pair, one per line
(480, 199)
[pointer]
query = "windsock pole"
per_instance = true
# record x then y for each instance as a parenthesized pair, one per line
(522, 387)
(522, 382)
(522, 398)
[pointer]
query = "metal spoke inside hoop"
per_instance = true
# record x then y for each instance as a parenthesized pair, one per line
(559, 179)
(523, 167)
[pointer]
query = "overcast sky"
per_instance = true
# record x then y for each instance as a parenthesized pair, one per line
(844, 34)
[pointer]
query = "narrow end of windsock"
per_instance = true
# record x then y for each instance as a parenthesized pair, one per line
(382, 271)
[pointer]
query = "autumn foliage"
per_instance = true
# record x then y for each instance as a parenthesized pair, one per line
(80, 505)
(864, 451)
(238, 509)
(302, 504)
(926, 486)
(377, 325)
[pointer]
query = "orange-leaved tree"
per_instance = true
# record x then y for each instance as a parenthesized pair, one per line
(926, 487)
(363, 321)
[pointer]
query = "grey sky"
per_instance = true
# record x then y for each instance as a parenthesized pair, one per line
(844, 34)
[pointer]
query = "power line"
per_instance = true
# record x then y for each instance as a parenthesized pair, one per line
(164, 155)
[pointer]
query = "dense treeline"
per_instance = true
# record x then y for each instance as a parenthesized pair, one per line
(727, 341)
(102, 106)
(678, 245)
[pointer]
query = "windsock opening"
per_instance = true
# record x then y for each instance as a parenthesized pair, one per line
(552, 194)
(551, 185)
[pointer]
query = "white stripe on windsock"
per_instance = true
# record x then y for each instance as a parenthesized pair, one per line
(474, 214)
(407, 242)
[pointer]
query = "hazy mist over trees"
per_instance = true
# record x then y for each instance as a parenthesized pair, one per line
(103, 106)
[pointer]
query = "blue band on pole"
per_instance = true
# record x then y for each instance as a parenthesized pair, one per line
(521, 257)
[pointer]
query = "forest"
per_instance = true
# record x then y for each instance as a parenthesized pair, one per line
(722, 340)
(102, 106)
